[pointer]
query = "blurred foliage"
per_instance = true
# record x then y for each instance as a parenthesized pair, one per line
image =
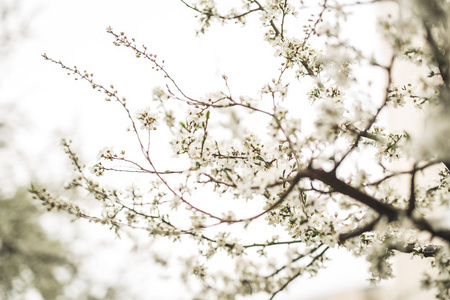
(31, 262)
(29, 259)
(14, 24)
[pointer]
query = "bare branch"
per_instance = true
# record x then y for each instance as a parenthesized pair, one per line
(412, 193)
(427, 251)
(315, 258)
(358, 231)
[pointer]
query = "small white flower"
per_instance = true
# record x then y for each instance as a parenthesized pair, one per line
(149, 120)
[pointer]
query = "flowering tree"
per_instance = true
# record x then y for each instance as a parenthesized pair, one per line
(335, 181)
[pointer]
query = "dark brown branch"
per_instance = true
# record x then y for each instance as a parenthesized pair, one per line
(447, 165)
(412, 193)
(423, 224)
(428, 251)
(440, 57)
(358, 231)
(392, 213)
(330, 179)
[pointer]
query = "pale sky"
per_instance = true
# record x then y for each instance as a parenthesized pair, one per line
(55, 106)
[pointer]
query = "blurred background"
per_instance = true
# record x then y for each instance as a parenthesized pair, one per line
(47, 255)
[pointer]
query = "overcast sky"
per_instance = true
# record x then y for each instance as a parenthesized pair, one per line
(53, 105)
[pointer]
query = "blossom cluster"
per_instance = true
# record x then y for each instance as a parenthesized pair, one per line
(323, 181)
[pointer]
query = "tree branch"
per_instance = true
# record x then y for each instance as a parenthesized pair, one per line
(298, 273)
(427, 251)
(412, 193)
(441, 58)
(358, 231)
(346, 189)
